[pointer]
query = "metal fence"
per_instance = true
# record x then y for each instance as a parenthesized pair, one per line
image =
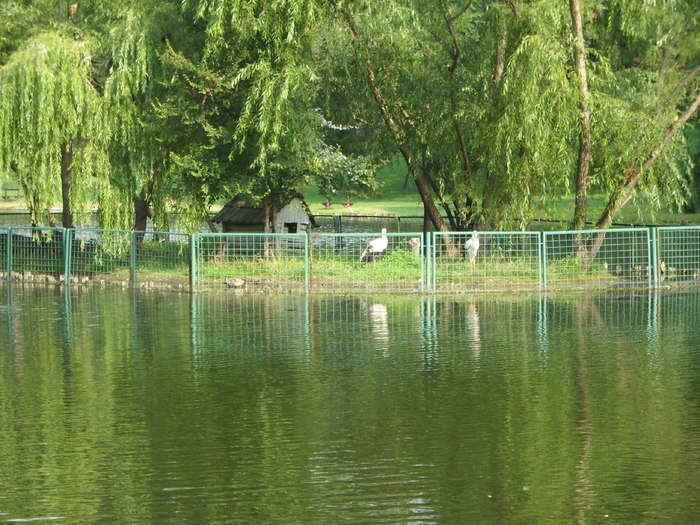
(598, 258)
(34, 254)
(250, 262)
(333, 262)
(678, 255)
(129, 258)
(337, 263)
(504, 260)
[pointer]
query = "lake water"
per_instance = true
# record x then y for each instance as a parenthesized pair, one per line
(137, 407)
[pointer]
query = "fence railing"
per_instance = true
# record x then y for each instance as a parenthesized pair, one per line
(333, 262)
(504, 260)
(602, 258)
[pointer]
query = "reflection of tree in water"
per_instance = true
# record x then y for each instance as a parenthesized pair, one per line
(586, 316)
(462, 321)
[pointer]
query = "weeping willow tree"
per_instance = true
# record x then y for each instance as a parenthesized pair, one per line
(476, 97)
(647, 87)
(275, 126)
(258, 58)
(496, 106)
(138, 156)
(52, 133)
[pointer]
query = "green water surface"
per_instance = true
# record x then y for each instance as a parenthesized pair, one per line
(143, 407)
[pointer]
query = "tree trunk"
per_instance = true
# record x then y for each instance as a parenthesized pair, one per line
(142, 211)
(383, 105)
(500, 53)
(66, 178)
(268, 207)
(268, 224)
(212, 226)
(584, 155)
(488, 202)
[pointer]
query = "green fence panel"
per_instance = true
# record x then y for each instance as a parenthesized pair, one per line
(598, 258)
(410, 262)
(36, 254)
(100, 257)
(503, 261)
(250, 262)
(161, 260)
(337, 263)
(678, 253)
(5, 254)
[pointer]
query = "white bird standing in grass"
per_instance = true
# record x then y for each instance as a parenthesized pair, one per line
(375, 248)
(472, 247)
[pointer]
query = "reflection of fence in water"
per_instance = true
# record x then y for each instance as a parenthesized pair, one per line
(598, 311)
(246, 322)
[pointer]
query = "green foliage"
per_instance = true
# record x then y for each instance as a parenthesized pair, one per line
(134, 80)
(186, 103)
(337, 173)
(49, 104)
(242, 108)
(493, 140)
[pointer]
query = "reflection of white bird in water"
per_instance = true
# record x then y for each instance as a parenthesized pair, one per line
(380, 325)
(473, 327)
(472, 247)
(374, 248)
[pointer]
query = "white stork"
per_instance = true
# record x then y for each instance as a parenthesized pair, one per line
(472, 247)
(375, 248)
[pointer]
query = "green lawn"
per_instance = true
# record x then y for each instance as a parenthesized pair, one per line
(391, 199)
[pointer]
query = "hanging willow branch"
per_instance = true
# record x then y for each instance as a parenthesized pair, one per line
(51, 131)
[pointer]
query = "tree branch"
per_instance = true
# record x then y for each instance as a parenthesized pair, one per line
(585, 142)
(459, 13)
(623, 193)
(683, 83)
(384, 109)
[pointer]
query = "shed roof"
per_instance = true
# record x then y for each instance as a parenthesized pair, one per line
(237, 211)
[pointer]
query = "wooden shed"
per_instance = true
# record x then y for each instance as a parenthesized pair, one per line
(239, 217)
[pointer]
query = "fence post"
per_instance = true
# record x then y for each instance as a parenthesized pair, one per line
(67, 254)
(9, 255)
(651, 257)
(544, 259)
(193, 259)
(432, 259)
(132, 262)
(424, 284)
(338, 228)
(540, 264)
